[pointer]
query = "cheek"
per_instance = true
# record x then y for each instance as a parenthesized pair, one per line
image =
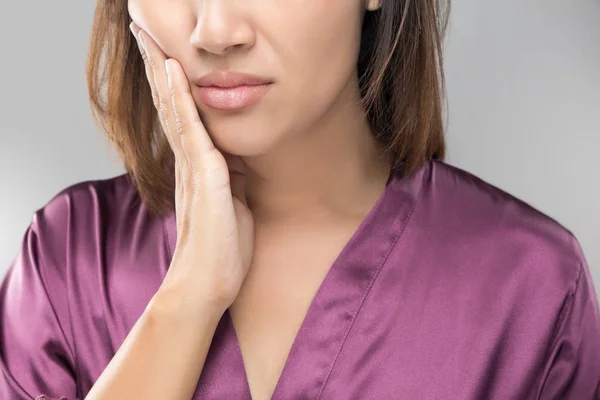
(319, 47)
(164, 21)
(318, 31)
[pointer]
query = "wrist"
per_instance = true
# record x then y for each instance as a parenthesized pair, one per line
(171, 302)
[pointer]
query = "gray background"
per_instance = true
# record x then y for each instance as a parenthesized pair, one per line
(523, 90)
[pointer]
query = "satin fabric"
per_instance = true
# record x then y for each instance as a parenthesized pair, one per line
(449, 289)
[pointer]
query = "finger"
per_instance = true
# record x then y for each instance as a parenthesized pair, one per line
(197, 144)
(150, 75)
(179, 194)
(154, 61)
(180, 162)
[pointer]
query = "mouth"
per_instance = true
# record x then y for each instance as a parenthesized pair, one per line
(233, 98)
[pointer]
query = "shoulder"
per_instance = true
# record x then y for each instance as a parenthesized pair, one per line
(84, 202)
(492, 228)
(82, 213)
(500, 263)
(62, 242)
(112, 194)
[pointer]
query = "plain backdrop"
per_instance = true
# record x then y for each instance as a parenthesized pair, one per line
(523, 81)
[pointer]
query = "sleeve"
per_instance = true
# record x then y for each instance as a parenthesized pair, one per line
(573, 369)
(36, 359)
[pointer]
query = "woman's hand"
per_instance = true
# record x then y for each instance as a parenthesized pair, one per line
(215, 228)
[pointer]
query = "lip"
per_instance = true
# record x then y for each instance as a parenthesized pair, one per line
(233, 98)
(231, 90)
(230, 79)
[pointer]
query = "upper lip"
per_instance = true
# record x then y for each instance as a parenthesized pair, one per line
(230, 79)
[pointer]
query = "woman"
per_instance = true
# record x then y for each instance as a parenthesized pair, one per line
(290, 234)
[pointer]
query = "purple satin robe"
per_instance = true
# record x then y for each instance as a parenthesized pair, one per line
(449, 289)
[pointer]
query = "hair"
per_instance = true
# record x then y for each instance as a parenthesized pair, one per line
(401, 77)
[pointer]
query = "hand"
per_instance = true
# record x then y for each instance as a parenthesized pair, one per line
(215, 228)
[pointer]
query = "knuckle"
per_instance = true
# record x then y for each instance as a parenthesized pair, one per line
(174, 99)
(181, 125)
(164, 127)
(172, 94)
(162, 107)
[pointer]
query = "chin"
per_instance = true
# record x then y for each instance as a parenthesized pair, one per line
(240, 141)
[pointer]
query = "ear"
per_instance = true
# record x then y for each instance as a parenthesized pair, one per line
(373, 5)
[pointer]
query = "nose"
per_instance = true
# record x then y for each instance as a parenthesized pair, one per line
(221, 27)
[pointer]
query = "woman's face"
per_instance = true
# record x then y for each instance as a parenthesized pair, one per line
(307, 48)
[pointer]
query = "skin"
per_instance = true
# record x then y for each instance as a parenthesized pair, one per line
(308, 151)
(311, 164)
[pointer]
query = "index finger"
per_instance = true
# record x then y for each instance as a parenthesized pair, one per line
(154, 60)
(194, 137)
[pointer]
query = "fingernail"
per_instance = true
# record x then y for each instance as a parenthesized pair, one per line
(142, 38)
(168, 67)
(134, 28)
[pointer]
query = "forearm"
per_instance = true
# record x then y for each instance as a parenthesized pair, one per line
(164, 353)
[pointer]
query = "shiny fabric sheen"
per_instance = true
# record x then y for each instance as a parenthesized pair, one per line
(449, 289)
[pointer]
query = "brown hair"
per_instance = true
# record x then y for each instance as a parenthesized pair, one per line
(401, 77)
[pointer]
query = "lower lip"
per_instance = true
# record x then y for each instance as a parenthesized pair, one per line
(234, 98)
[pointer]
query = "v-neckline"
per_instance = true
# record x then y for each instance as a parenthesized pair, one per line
(330, 314)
